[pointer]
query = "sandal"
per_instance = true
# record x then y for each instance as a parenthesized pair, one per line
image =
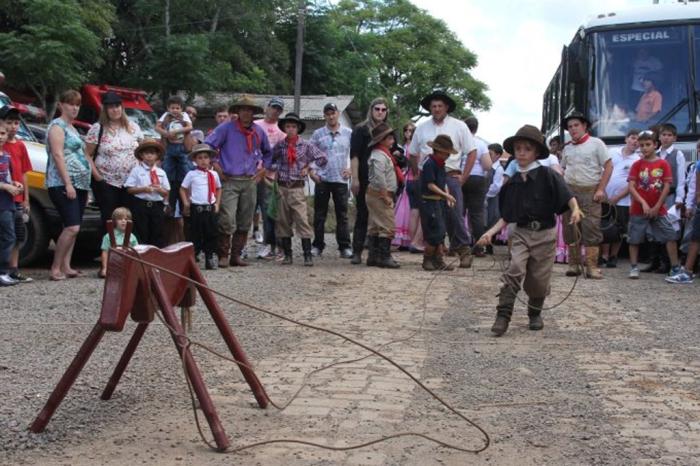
(57, 278)
(76, 273)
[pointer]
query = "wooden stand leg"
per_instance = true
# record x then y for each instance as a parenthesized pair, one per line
(192, 370)
(124, 360)
(68, 379)
(217, 314)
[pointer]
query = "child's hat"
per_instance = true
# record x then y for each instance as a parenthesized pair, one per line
(379, 132)
(201, 148)
(292, 117)
(528, 133)
(575, 115)
(149, 144)
(443, 143)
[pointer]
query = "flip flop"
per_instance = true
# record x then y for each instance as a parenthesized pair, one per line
(75, 274)
(57, 278)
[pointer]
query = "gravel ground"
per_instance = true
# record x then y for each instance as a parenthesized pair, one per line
(612, 379)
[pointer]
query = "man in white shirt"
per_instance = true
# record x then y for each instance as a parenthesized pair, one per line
(496, 178)
(439, 104)
(475, 187)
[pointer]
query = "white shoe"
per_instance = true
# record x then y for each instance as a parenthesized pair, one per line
(244, 253)
(346, 253)
(259, 237)
(6, 280)
(264, 251)
(316, 252)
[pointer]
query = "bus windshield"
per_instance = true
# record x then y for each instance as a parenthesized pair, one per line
(146, 121)
(639, 79)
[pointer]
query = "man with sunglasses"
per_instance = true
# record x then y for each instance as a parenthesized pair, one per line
(440, 105)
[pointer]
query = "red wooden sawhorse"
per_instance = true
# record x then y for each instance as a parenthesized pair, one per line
(131, 289)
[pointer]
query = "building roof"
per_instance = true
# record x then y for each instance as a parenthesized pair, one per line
(673, 12)
(311, 105)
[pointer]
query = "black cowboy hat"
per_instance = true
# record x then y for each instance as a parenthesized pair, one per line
(379, 132)
(150, 144)
(292, 117)
(532, 134)
(575, 114)
(438, 95)
(443, 143)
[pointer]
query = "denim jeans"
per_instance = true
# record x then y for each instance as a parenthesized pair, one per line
(176, 165)
(322, 195)
(7, 238)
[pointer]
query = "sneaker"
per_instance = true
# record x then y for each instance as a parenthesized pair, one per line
(244, 253)
(611, 263)
(634, 272)
(316, 252)
(346, 253)
(676, 270)
(258, 237)
(681, 278)
(6, 280)
(20, 278)
(264, 251)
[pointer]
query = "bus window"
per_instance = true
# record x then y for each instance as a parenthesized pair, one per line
(640, 78)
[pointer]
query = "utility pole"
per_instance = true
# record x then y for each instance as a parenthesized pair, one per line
(301, 14)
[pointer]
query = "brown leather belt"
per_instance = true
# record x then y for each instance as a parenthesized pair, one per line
(291, 184)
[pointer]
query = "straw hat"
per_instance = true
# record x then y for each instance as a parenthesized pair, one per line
(246, 101)
(149, 144)
(200, 148)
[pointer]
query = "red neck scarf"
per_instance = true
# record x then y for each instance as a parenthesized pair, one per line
(583, 139)
(251, 137)
(397, 170)
(292, 149)
(212, 184)
(440, 163)
(155, 181)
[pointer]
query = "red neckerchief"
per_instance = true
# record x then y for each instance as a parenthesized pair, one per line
(583, 139)
(292, 150)
(397, 170)
(440, 163)
(155, 181)
(251, 137)
(212, 184)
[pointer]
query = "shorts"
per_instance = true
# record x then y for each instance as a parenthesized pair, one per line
(20, 227)
(659, 228)
(413, 191)
(695, 233)
(70, 210)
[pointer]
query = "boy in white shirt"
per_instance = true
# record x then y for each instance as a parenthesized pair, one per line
(149, 185)
(200, 194)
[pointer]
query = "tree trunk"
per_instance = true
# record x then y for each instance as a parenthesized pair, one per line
(167, 18)
(215, 21)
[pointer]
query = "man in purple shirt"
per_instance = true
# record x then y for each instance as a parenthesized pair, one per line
(244, 153)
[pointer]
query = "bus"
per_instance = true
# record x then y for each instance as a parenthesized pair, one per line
(615, 58)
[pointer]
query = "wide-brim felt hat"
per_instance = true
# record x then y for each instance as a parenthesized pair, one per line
(575, 115)
(529, 133)
(292, 117)
(443, 143)
(379, 132)
(201, 148)
(439, 95)
(149, 144)
(246, 101)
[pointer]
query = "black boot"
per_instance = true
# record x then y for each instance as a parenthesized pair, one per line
(655, 255)
(306, 247)
(534, 311)
(373, 252)
(356, 257)
(385, 260)
(287, 248)
(504, 310)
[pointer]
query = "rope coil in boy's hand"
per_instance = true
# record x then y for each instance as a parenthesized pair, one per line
(184, 341)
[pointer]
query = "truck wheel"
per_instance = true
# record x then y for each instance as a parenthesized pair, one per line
(36, 245)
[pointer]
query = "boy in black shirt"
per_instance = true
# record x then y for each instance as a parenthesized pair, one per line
(434, 196)
(531, 199)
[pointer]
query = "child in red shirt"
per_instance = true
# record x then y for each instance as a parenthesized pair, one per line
(20, 165)
(650, 180)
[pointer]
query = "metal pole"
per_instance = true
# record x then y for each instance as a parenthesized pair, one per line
(299, 56)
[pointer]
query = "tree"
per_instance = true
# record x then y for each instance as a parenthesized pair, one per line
(52, 45)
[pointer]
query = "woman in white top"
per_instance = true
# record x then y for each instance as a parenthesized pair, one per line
(111, 143)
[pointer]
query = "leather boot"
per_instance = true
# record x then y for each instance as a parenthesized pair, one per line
(534, 311)
(592, 270)
(439, 259)
(428, 259)
(385, 261)
(224, 247)
(504, 310)
(287, 248)
(574, 261)
(306, 247)
(238, 242)
(356, 257)
(465, 257)
(373, 251)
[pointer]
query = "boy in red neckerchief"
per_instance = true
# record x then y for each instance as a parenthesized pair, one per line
(650, 181)
(200, 194)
